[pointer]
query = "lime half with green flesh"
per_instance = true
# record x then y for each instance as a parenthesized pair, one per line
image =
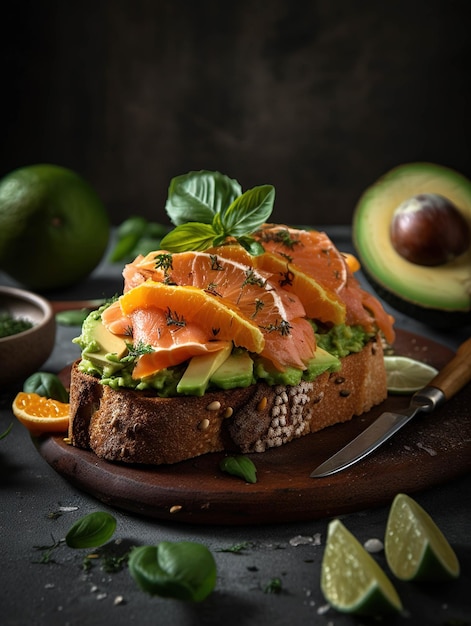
(415, 547)
(405, 375)
(351, 580)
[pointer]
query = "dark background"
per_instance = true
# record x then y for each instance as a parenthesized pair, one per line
(317, 98)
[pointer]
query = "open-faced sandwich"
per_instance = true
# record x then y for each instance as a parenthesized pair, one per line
(238, 335)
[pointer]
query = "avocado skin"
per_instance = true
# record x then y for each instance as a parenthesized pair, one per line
(435, 318)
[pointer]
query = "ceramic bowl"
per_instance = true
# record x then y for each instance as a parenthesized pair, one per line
(23, 354)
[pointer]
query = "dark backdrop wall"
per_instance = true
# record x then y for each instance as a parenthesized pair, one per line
(318, 98)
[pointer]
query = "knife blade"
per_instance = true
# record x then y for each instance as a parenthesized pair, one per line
(441, 388)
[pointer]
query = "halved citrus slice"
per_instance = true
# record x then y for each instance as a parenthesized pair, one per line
(351, 580)
(235, 280)
(405, 375)
(183, 304)
(280, 316)
(415, 547)
(40, 414)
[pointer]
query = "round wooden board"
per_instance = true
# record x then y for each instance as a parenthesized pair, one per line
(430, 450)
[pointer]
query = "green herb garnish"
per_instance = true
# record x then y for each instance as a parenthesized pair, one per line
(136, 236)
(6, 432)
(10, 325)
(273, 586)
(138, 349)
(182, 570)
(46, 384)
(91, 531)
(47, 550)
(74, 317)
(237, 548)
(208, 207)
(240, 466)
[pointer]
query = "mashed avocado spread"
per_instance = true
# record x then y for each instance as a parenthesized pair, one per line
(112, 359)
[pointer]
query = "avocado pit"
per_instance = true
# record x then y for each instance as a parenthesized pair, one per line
(427, 229)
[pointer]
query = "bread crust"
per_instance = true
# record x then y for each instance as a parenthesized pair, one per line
(139, 427)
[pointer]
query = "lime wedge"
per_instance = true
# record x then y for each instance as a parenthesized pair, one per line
(351, 580)
(406, 375)
(415, 547)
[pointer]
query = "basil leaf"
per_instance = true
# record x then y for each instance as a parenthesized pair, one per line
(91, 531)
(217, 225)
(249, 211)
(136, 236)
(75, 317)
(240, 466)
(191, 236)
(182, 570)
(198, 196)
(134, 225)
(128, 234)
(47, 385)
(252, 246)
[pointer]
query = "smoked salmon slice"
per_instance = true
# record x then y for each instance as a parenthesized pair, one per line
(188, 303)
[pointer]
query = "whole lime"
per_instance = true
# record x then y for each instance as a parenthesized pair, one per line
(54, 229)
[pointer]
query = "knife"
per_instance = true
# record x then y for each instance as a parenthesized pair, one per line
(441, 388)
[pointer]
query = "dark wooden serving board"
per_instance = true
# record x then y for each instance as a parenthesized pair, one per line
(430, 450)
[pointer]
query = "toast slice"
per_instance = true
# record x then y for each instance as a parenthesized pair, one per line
(140, 427)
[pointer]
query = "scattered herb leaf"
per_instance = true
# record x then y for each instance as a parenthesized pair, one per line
(138, 349)
(136, 236)
(273, 586)
(91, 531)
(109, 563)
(127, 235)
(6, 432)
(46, 384)
(47, 551)
(54, 515)
(182, 570)
(240, 466)
(237, 548)
(74, 317)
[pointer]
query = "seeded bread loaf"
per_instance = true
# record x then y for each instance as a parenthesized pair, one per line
(139, 427)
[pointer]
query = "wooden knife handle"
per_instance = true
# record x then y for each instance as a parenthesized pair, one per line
(456, 373)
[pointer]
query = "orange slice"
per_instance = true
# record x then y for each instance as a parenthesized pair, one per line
(319, 302)
(280, 315)
(183, 304)
(233, 280)
(39, 414)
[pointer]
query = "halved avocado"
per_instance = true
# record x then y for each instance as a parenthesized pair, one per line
(437, 295)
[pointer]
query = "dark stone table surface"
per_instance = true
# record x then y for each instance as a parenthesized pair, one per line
(38, 507)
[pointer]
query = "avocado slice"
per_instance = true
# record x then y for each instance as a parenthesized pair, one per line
(438, 295)
(236, 371)
(322, 362)
(101, 343)
(200, 369)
